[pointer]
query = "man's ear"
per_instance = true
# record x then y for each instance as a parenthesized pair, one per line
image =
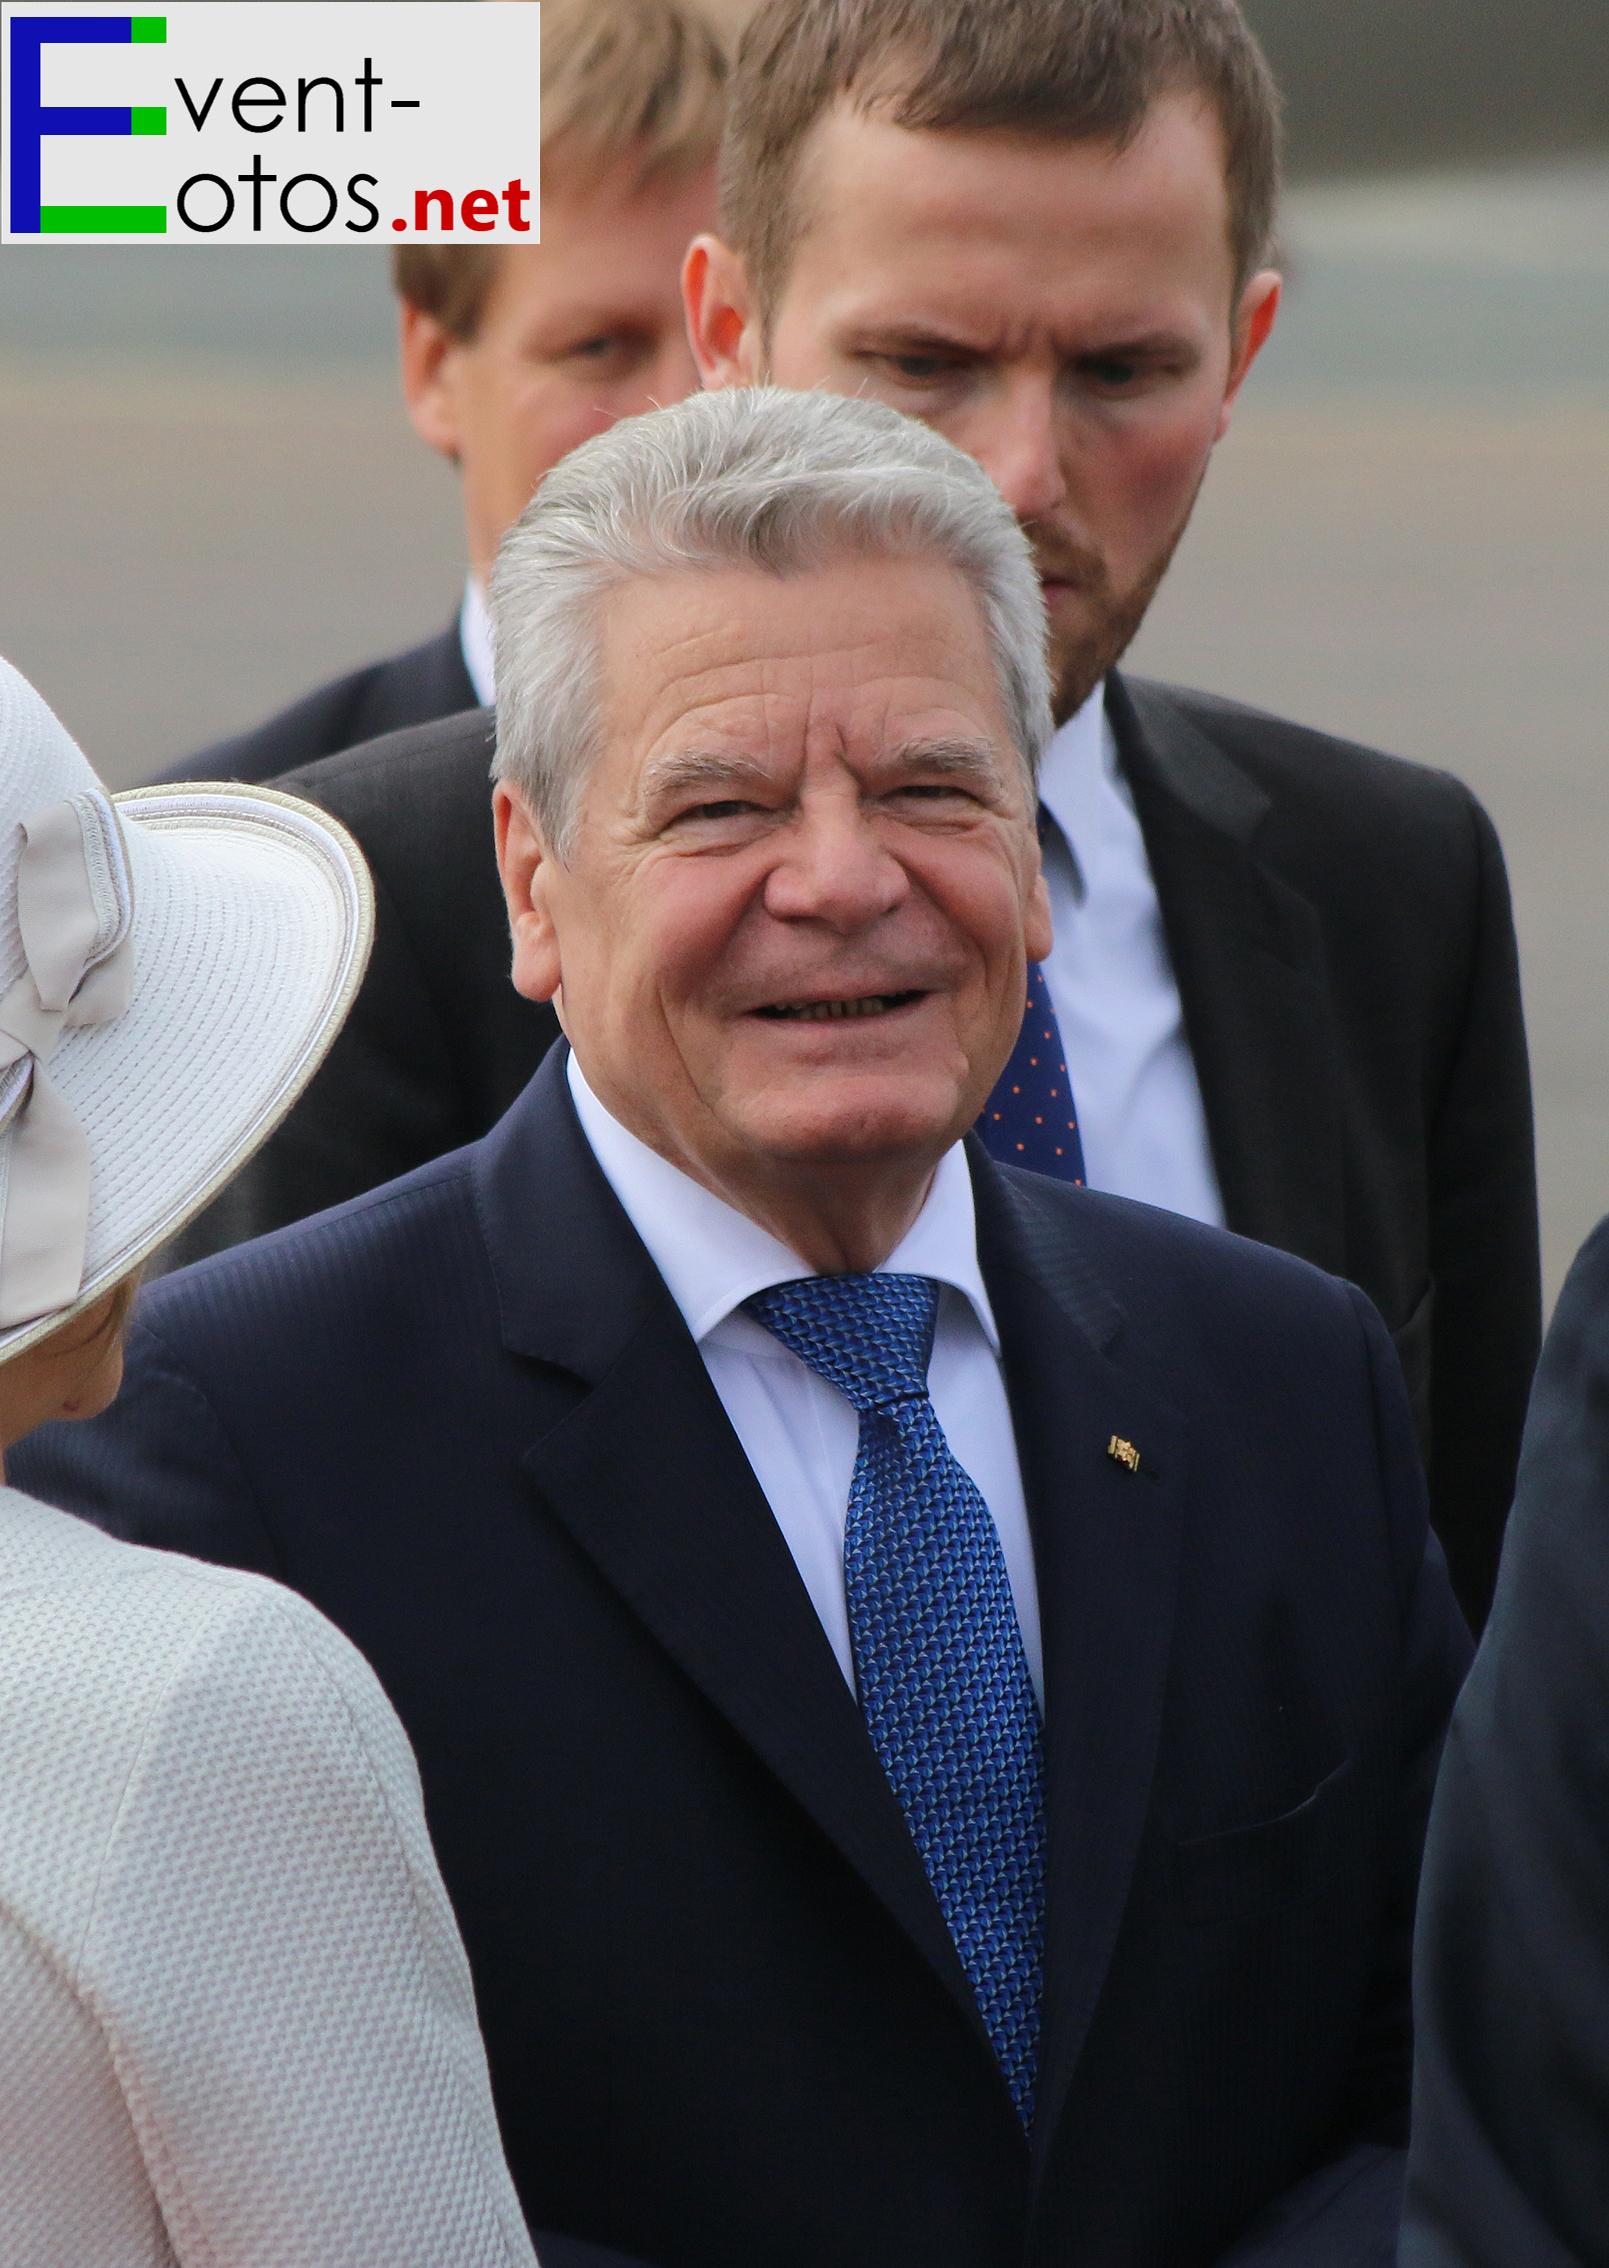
(526, 866)
(1037, 934)
(1254, 319)
(722, 327)
(429, 374)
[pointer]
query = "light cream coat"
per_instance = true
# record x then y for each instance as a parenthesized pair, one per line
(236, 2023)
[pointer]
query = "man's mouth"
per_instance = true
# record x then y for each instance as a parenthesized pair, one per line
(836, 1011)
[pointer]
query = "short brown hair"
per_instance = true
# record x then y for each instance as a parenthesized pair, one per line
(622, 80)
(1080, 70)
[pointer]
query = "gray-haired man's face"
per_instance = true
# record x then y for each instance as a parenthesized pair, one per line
(791, 931)
(1063, 311)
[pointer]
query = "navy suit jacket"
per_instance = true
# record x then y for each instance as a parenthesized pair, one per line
(1339, 926)
(726, 2023)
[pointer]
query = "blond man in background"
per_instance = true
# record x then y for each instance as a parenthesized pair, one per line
(510, 357)
(514, 354)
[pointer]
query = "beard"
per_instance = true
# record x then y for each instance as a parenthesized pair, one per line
(1094, 624)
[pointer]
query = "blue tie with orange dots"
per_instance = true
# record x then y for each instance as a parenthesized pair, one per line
(939, 1660)
(1029, 1120)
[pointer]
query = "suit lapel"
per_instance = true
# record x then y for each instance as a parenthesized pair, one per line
(1248, 958)
(649, 1479)
(1106, 1549)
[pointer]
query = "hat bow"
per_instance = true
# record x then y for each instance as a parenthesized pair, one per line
(75, 910)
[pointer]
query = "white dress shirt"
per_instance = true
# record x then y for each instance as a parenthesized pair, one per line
(475, 641)
(1111, 983)
(799, 1434)
(238, 2021)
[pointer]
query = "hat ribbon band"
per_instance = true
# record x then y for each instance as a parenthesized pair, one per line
(75, 910)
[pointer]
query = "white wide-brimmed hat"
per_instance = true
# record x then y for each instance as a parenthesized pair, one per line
(174, 963)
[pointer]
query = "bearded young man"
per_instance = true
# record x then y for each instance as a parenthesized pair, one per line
(1283, 981)
(1284, 971)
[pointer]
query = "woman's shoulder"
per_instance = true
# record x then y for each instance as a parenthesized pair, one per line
(137, 1684)
(45, 1551)
(152, 1634)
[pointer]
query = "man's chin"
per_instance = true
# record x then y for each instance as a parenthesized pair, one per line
(1081, 653)
(1089, 634)
(865, 1121)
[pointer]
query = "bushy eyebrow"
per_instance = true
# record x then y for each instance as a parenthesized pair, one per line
(690, 770)
(949, 759)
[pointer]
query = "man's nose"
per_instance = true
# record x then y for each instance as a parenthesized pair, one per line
(1017, 443)
(832, 868)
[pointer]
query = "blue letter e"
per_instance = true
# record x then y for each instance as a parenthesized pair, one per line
(31, 121)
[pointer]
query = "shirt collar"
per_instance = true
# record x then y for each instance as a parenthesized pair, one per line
(713, 1257)
(475, 640)
(1079, 767)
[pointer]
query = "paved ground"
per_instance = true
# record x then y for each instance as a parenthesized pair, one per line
(209, 499)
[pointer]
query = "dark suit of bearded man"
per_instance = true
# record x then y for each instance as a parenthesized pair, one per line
(927, 1679)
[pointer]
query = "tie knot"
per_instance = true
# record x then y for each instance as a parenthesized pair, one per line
(868, 1335)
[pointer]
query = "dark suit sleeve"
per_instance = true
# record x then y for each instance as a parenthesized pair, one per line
(1345, 2215)
(571, 2252)
(158, 1468)
(1510, 2160)
(1435, 1658)
(1485, 1320)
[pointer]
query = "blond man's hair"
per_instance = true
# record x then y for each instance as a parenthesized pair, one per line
(624, 82)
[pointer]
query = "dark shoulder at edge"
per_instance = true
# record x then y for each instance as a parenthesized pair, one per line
(322, 1244)
(1118, 1232)
(1278, 752)
(446, 761)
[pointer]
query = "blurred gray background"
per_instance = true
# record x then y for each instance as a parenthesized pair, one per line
(210, 499)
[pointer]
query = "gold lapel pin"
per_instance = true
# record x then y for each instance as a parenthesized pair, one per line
(1124, 1451)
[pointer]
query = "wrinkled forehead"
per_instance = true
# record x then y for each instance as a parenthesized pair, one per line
(864, 651)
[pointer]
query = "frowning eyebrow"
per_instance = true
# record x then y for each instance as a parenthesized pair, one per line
(1148, 347)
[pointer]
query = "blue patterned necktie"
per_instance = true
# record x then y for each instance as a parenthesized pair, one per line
(939, 1657)
(1029, 1120)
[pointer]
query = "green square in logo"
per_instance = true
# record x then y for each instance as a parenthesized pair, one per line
(148, 31)
(153, 121)
(103, 220)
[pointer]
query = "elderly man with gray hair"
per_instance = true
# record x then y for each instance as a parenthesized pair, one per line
(926, 1679)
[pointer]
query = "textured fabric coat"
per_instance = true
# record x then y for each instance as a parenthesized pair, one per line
(238, 2023)
(725, 2021)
